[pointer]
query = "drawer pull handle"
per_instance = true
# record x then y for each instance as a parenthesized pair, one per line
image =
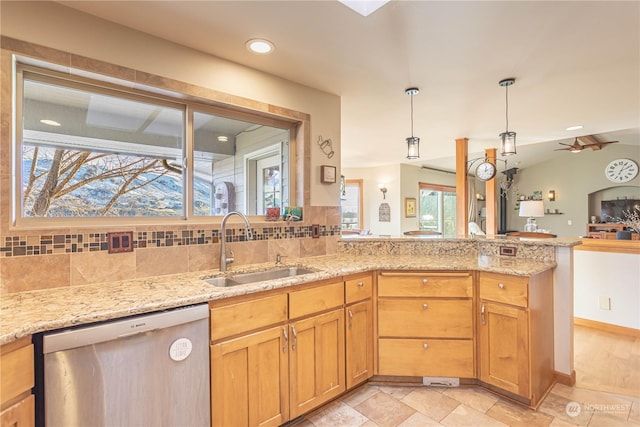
(425, 306)
(424, 281)
(501, 286)
(286, 340)
(360, 284)
(295, 338)
(482, 315)
(425, 346)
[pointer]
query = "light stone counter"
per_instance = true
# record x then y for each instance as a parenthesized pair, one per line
(31, 312)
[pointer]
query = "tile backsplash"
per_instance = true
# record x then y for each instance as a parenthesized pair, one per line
(41, 261)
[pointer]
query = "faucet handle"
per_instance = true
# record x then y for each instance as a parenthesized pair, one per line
(279, 258)
(230, 259)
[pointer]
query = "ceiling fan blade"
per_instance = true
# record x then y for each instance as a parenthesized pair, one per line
(563, 149)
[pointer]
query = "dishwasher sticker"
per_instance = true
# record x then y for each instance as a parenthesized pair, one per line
(180, 349)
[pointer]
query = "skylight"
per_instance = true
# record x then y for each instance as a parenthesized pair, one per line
(364, 7)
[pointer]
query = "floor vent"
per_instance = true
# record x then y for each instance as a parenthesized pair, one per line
(441, 382)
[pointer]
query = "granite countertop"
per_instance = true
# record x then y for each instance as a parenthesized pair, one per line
(31, 312)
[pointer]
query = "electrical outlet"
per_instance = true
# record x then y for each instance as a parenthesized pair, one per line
(569, 222)
(315, 231)
(604, 303)
(121, 241)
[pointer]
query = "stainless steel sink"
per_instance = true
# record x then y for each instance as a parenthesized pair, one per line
(259, 276)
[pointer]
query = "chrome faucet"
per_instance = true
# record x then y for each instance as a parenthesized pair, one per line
(223, 238)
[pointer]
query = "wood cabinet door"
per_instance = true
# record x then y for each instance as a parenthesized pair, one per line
(504, 347)
(249, 380)
(317, 361)
(359, 341)
(22, 414)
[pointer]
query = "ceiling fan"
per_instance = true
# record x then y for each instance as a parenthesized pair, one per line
(589, 142)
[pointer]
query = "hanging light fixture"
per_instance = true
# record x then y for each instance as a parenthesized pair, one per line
(507, 139)
(413, 142)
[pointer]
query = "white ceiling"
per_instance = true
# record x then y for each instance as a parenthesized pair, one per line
(575, 62)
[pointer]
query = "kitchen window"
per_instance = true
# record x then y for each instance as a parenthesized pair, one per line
(91, 149)
(437, 210)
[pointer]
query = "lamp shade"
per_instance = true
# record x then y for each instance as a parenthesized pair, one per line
(531, 208)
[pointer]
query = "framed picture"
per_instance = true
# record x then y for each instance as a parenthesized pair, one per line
(328, 174)
(537, 195)
(409, 207)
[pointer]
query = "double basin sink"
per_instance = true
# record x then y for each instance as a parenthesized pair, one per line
(259, 276)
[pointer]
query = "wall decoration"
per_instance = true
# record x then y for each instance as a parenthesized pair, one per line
(293, 213)
(328, 174)
(537, 195)
(410, 207)
(326, 146)
(384, 212)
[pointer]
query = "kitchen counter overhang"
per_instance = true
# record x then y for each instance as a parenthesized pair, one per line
(31, 312)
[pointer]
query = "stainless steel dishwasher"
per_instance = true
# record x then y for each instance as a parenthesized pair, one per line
(148, 370)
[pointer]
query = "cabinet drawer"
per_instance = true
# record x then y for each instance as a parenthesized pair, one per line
(16, 369)
(247, 316)
(429, 357)
(315, 300)
(425, 285)
(358, 288)
(425, 318)
(503, 288)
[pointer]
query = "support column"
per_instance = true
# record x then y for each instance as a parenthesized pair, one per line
(491, 196)
(462, 189)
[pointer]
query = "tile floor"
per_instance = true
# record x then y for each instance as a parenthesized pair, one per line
(398, 406)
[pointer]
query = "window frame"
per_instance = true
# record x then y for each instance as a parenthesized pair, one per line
(440, 189)
(47, 72)
(360, 184)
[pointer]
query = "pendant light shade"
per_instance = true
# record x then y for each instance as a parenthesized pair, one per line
(507, 139)
(413, 142)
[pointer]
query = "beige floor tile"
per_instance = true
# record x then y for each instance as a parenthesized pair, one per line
(518, 415)
(397, 391)
(556, 406)
(606, 420)
(384, 410)
(634, 415)
(557, 422)
(475, 397)
(337, 414)
(464, 415)
(597, 401)
(360, 394)
(431, 403)
(419, 420)
(369, 424)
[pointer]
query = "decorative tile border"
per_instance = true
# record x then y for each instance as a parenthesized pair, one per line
(90, 242)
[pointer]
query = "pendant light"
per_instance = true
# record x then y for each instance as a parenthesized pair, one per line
(413, 142)
(507, 139)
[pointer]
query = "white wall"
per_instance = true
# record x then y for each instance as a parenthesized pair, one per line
(573, 177)
(53, 25)
(610, 275)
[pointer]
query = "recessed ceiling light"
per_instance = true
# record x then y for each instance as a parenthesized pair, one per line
(260, 46)
(223, 138)
(576, 127)
(50, 122)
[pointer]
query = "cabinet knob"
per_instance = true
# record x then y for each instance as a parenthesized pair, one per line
(360, 284)
(424, 281)
(425, 306)
(425, 346)
(501, 286)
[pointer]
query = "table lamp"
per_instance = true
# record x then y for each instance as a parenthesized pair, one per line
(531, 209)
